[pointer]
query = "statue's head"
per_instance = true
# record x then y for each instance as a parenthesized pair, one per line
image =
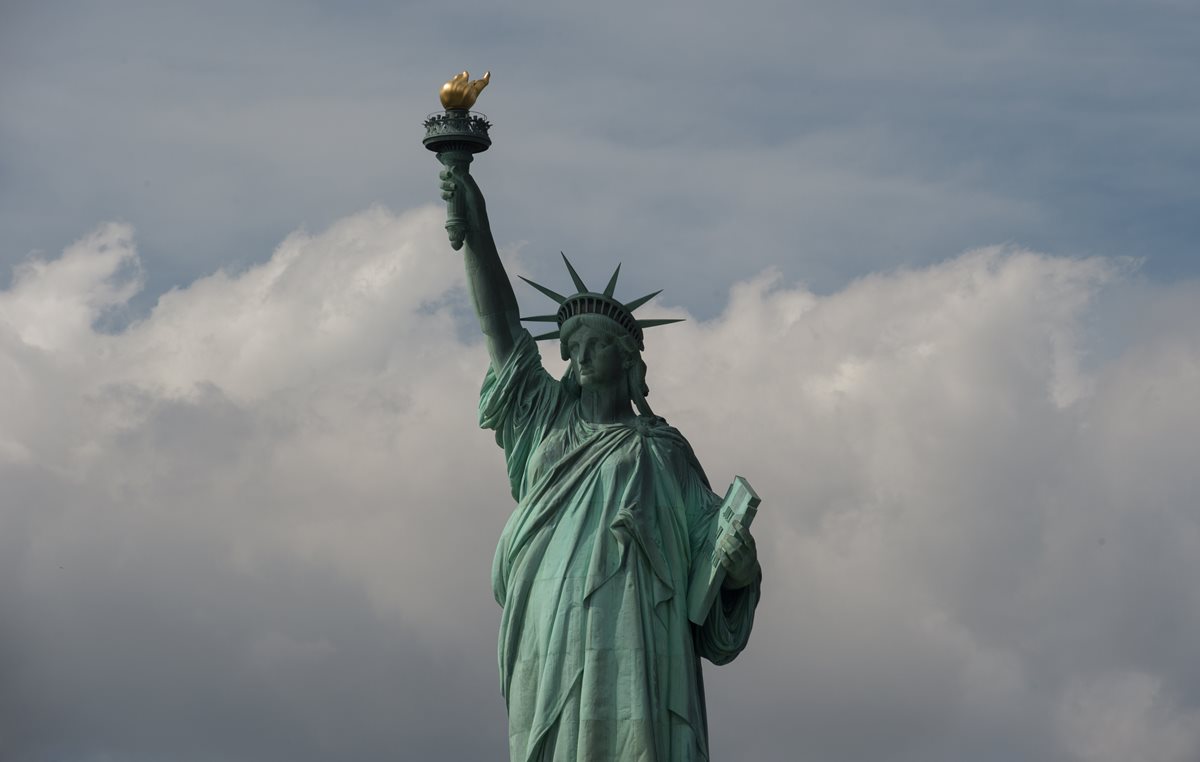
(600, 336)
(602, 353)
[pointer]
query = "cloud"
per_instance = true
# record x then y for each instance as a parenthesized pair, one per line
(258, 522)
(1123, 716)
(850, 137)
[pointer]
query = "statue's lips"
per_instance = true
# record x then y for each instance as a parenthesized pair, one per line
(587, 375)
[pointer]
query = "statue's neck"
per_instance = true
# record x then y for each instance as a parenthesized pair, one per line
(609, 404)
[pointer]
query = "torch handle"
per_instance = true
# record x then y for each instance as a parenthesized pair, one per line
(456, 208)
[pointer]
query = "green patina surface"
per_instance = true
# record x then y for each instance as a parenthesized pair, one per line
(598, 659)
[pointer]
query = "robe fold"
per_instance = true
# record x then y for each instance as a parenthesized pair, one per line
(598, 660)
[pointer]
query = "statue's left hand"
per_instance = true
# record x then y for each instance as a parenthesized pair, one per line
(739, 556)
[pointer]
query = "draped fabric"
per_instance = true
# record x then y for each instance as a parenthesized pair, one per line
(598, 660)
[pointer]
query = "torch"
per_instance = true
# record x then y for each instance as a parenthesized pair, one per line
(456, 136)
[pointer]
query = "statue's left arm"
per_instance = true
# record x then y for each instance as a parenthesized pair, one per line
(726, 630)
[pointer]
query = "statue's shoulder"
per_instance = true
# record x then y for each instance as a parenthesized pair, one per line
(671, 445)
(661, 434)
(654, 426)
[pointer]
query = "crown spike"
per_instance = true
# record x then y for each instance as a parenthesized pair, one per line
(658, 321)
(552, 294)
(579, 284)
(612, 282)
(639, 302)
(587, 302)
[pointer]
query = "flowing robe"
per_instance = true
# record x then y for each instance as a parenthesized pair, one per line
(598, 660)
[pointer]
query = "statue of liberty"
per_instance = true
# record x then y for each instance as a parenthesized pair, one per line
(598, 657)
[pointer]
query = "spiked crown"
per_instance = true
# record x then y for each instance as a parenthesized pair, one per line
(585, 302)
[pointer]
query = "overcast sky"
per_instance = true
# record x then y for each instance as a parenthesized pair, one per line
(940, 271)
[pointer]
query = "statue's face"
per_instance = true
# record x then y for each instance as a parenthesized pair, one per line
(596, 356)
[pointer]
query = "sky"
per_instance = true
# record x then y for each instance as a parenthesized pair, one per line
(942, 291)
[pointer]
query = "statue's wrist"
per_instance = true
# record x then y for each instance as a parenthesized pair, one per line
(734, 582)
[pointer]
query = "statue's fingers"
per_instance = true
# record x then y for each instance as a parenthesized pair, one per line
(728, 550)
(733, 550)
(447, 195)
(740, 531)
(736, 538)
(744, 535)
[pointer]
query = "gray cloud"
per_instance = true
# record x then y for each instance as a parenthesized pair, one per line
(825, 139)
(258, 523)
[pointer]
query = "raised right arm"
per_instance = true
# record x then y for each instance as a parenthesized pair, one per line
(491, 291)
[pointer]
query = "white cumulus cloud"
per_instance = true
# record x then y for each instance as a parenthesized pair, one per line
(258, 522)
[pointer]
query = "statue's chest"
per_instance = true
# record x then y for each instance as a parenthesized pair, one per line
(610, 451)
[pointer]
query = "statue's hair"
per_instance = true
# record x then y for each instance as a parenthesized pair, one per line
(635, 365)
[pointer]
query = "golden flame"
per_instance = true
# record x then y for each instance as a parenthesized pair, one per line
(461, 91)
